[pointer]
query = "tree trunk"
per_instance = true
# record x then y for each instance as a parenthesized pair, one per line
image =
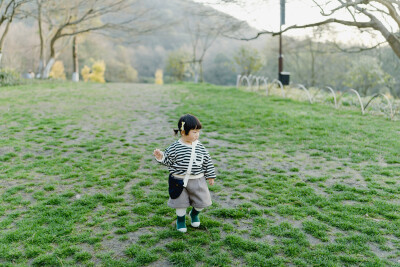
(46, 71)
(3, 37)
(40, 69)
(195, 72)
(394, 43)
(52, 59)
(75, 73)
(41, 60)
(312, 66)
(201, 71)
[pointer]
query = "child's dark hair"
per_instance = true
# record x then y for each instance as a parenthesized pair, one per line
(189, 122)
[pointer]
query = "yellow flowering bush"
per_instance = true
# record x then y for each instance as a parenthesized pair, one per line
(159, 77)
(85, 72)
(96, 74)
(57, 71)
(98, 70)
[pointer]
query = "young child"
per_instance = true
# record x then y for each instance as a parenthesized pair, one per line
(177, 158)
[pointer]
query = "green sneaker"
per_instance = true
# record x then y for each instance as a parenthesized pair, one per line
(194, 216)
(181, 224)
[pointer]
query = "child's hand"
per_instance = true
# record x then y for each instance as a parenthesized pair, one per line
(158, 154)
(211, 181)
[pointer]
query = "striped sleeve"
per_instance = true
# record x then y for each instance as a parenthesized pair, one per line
(169, 156)
(208, 167)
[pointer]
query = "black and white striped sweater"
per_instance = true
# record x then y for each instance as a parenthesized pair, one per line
(177, 156)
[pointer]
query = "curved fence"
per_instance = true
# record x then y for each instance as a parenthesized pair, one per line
(257, 83)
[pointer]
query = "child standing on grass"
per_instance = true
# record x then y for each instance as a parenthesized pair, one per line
(189, 162)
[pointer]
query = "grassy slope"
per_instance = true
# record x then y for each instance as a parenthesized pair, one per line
(297, 183)
(333, 172)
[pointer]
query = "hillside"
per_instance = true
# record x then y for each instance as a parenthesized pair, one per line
(180, 13)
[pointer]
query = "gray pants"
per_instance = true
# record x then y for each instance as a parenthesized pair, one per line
(196, 194)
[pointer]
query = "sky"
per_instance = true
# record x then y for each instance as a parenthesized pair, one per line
(265, 15)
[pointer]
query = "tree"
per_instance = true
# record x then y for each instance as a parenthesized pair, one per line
(204, 26)
(366, 75)
(220, 71)
(67, 19)
(315, 62)
(390, 65)
(122, 69)
(248, 60)
(175, 65)
(8, 10)
(382, 16)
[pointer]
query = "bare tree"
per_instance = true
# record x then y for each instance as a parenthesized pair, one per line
(60, 21)
(204, 26)
(8, 10)
(202, 36)
(382, 16)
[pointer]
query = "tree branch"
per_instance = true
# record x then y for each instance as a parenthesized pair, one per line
(331, 20)
(83, 31)
(392, 11)
(358, 49)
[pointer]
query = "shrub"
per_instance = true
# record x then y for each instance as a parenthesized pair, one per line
(98, 69)
(9, 77)
(131, 74)
(57, 71)
(96, 74)
(159, 77)
(175, 66)
(85, 73)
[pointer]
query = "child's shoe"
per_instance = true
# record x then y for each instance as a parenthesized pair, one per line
(194, 216)
(181, 224)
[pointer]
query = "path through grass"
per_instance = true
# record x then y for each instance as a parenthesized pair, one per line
(298, 184)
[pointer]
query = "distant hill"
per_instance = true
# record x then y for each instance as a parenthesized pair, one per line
(175, 12)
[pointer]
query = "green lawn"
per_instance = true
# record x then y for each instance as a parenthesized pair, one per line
(297, 184)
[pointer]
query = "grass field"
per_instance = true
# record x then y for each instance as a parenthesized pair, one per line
(297, 184)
